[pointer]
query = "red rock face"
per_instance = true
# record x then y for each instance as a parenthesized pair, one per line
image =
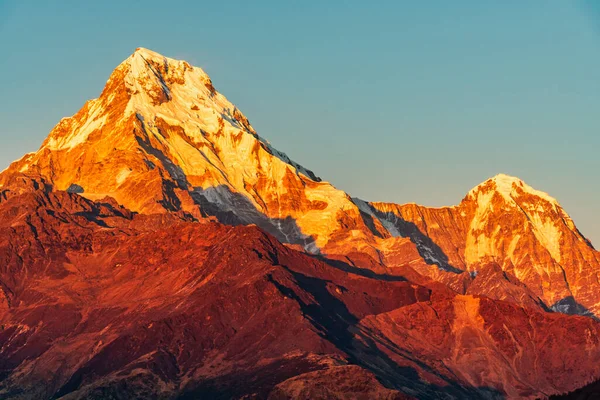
(141, 256)
(101, 302)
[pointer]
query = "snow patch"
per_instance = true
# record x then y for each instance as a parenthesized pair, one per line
(79, 134)
(387, 224)
(122, 175)
(548, 234)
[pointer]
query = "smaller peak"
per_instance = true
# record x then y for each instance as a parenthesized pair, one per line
(508, 186)
(505, 177)
(504, 183)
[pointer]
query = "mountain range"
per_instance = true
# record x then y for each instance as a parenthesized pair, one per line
(156, 246)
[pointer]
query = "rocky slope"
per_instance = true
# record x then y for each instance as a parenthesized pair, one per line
(99, 302)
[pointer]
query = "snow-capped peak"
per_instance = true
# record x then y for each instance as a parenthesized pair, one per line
(510, 187)
(504, 183)
(150, 59)
(144, 61)
(147, 53)
(160, 123)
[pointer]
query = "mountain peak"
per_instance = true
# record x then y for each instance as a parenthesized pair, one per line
(510, 188)
(505, 184)
(152, 58)
(147, 53)
(143, 60)
(150, 73)
(504, 179)
(161, 138)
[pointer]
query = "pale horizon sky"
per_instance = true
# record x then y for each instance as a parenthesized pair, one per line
(396, 101)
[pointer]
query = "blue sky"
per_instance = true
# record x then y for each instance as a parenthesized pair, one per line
(403, 101)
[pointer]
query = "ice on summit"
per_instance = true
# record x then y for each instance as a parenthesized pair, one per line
(507, 185)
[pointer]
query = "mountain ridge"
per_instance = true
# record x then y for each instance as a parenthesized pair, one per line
(160, 138)
(157, 246)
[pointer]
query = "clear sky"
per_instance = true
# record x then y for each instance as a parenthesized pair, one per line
(402, 101)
